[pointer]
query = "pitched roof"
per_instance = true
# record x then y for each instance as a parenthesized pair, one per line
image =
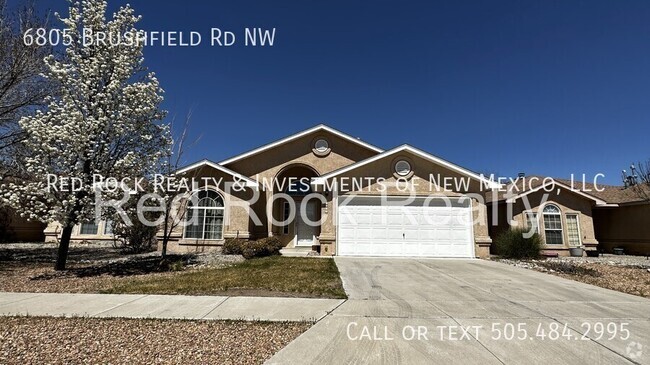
(614, 194)
(427, 156)
(249, 182)
(320, 127)
(607, 194)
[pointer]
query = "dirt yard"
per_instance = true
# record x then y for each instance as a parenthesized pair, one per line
(39, 340)
(627, 274)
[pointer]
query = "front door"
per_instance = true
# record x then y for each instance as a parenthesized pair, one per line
(306, 229)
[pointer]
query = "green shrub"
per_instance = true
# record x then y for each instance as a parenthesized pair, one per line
(136, 237)
(233, 246)
(268, 246)
(512, 244)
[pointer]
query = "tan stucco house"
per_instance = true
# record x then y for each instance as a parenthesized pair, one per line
(571, 214)
(321, 190)
(366, 201)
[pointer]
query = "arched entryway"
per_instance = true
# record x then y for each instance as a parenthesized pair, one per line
(296, 208)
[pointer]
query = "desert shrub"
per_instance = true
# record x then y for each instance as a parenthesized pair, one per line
(272, 242)
(570, 268)
(512, 244)
(138, 233)
(135, 238)
(233, 246)
(268, 246)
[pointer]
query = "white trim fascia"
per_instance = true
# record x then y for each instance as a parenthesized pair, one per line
(427, 156)
(249, 182)
(599, 202)
(320, 127)
(609, 205)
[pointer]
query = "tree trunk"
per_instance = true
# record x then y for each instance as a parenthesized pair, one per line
(165, 235)
(62, 256)
(164, 246)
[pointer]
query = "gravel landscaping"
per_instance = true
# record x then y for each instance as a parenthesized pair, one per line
(627, 274)
(31, 340)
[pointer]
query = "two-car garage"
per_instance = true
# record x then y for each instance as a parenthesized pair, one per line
(405, 227)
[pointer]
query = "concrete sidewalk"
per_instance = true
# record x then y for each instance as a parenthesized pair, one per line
(165, 306)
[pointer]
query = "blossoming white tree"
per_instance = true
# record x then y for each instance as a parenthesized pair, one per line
(105, 121)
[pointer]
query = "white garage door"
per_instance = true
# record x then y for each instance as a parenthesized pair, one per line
(370, 226)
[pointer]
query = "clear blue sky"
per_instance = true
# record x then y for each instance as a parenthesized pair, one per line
(545, 87)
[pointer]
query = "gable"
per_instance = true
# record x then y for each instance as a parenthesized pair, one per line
(555, 187)
(432, 173)
(266, 161)
(209, 168)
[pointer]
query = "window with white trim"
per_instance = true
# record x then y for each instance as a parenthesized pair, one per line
(321, 145)
(552, 225)
(88, 228)
(402, 168)
(205, 216)
(573, 230)
(531, 222)
(108, 227)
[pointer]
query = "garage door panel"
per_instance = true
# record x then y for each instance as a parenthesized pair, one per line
(394, 235)
(367, 229)
(393, 219)
(426, 234)
(394, 249)
(409, 249)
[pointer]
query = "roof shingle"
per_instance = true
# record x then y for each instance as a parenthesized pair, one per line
(611, 194)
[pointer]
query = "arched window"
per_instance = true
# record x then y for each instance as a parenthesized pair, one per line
(205, 216)
(552, 225)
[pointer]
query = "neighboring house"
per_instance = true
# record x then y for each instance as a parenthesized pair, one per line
(90, 232)
(627, 225)
(573, 214)
(14, 228)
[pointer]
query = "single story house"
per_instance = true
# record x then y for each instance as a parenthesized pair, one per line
(363, 200)
(326, 191)
(573, 214)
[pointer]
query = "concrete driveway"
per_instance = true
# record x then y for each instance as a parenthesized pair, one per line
(416, 311)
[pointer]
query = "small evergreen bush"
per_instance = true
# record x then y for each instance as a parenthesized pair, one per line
(513, 245)
(268, 246)
(233, 246)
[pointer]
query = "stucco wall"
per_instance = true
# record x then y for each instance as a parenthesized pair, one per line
(268, 165)
(237, 220)
(568, 202)
(17, 229)
(53, 233)
(625, 226)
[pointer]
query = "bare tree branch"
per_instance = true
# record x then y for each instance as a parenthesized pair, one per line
(22, 88)
(642, 188)
(175, 204)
